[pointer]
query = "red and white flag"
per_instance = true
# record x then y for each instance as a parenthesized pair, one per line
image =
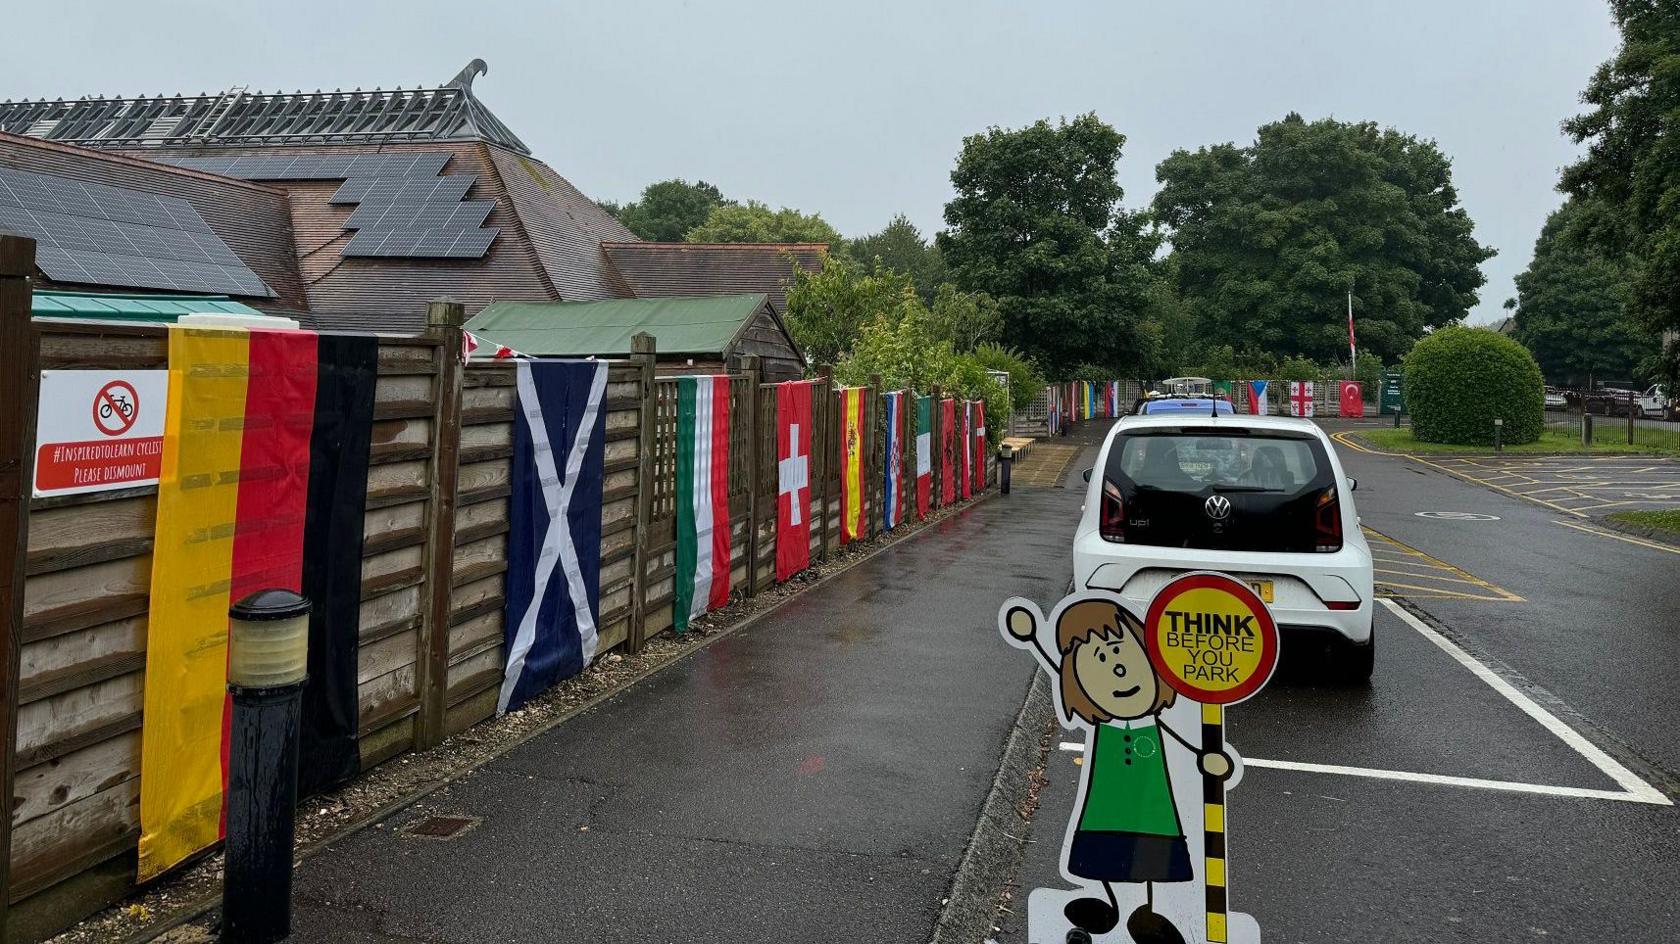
(978, 466)
(1300, 398)
(1352, 399)
(948, 439)
(966, 449)
(793, 478)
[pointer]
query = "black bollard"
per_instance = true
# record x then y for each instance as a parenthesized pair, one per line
(267, 663)
(1006, 458)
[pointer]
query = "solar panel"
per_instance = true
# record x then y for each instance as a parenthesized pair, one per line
(405, 215)
(437, 243)
(404, 189)
(317, 166)
(93, 234)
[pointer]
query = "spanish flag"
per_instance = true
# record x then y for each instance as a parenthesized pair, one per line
(263, 484)
(851, 464)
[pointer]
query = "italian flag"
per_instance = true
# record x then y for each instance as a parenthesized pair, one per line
(702, 581)
(924, 455)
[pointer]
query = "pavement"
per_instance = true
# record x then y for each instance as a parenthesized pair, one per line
(816, 776)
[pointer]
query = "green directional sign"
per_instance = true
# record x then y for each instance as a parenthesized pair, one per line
(1392, 398)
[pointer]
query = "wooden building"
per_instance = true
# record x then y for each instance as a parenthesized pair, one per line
(693, 334)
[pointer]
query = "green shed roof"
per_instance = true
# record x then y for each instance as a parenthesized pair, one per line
(152, 308)
(695, 325)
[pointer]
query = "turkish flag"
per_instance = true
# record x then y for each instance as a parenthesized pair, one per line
(793, 478)
(1353, 399)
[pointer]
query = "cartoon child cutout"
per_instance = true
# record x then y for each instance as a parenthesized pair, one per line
(1126, 827)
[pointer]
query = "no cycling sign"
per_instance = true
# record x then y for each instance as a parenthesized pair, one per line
(98, 430)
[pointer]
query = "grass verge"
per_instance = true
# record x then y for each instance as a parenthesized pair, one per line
(1551, 442)
(1667, 522)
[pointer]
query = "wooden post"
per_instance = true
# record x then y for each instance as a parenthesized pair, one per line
(874, 427)
(20, 381)
(443, 325)
(643, 352)
(751, 366)
(825, 444)
(936, 447)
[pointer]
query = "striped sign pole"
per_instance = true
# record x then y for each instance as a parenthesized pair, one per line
(1213, 827)
(1214, 641)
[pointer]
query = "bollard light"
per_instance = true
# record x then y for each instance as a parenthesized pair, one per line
(268, 640)
(268, 663)
(1006, 459)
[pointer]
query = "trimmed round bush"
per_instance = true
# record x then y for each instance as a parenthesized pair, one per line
(1459, 380)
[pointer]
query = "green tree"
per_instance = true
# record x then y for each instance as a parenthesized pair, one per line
(1459, 380)
(1034, 224)
(1629, 181)
(900, 247)
(668, 209)
(966, 319)
(1267, 239)
(826, 309)
(1572, 311)
(754, 222)
(1025, 381)
(902, 347)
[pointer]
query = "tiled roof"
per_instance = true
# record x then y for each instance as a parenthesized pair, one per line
(657, 270)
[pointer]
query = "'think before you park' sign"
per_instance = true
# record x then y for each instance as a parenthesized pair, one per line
(1150, 694)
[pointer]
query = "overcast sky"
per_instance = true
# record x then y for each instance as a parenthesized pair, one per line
(857, 110)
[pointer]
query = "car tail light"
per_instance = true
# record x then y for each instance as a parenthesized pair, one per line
(1341, 604)
(1327, 521)
(1111, 514)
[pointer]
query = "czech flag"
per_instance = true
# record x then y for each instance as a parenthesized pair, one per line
(1257, 397)
(262, 486)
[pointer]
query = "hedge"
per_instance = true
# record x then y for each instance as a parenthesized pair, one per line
(1459, 380)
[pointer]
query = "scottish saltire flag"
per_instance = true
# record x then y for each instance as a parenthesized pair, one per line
(554, 526)
(702, 579)
(924, 456)
(1257, 397)
(892, 486)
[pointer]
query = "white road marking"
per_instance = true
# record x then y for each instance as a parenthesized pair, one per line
(1509, 786)
(1072, 746)
(1639, 790)
(1619, 537)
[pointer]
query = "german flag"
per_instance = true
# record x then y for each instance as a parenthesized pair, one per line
(263, 484)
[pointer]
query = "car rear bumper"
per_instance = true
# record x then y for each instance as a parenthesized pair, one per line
(1304, 585)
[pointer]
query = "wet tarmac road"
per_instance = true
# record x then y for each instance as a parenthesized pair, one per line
(814, 777)
(1433, 806)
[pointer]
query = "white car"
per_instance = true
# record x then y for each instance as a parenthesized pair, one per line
(1261, 498)
(1653, 403)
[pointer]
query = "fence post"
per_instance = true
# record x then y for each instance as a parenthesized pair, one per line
(750, 366)
(443, 325)
(1632, 409)
(19, 388)
(936, 449)
(643, 351)
(874, 427)
(824, 391)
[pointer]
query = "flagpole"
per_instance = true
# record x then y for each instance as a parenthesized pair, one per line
(1353, 352)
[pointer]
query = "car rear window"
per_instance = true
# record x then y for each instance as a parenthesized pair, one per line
(1278, 488)
(1189, 462)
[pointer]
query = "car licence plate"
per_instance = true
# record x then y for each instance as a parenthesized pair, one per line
(1262, 589)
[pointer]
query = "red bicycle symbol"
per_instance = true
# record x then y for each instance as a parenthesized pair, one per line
(116, 407)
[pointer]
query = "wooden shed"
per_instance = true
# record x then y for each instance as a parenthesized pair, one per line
(693, 334)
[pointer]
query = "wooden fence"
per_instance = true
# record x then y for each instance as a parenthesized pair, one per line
(75, 570)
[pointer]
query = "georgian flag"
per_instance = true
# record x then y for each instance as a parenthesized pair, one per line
(554, 526)
(1300, 398)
